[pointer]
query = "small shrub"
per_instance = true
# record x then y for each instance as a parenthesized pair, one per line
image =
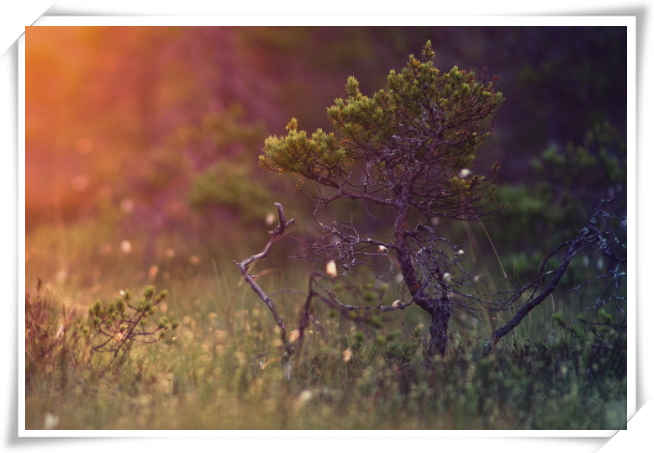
(116, 326)
(231, 186)
(51, 339)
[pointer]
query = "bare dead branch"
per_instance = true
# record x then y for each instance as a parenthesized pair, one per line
(535, 301)
(244, 265)
(322, 294)
(589, 235)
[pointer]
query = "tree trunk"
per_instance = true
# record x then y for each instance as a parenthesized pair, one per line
(440, 318)
(440, 309)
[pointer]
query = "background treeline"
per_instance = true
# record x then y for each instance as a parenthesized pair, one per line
(174, 118)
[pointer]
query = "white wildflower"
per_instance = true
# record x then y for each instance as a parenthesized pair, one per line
(293, 336)
(62, 275)
(127, 205)
(464, 173)
(330, 269)
(153, 271)
(305, 397)
(51, 421)
(126, 247)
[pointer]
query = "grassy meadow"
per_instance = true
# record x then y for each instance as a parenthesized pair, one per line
(221, 367)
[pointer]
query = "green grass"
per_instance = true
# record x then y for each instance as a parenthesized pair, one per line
(223, 371)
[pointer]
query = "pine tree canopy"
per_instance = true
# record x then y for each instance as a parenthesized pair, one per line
(411, 142)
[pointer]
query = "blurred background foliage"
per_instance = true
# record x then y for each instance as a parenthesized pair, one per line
(155, 115)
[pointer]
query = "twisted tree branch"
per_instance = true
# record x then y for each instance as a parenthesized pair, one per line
(244, 266)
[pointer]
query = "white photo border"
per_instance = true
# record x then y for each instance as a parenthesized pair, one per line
(496, 21)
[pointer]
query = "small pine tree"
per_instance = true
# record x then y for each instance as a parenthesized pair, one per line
(406, 149)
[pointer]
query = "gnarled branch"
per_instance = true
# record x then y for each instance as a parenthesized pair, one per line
(244, 266)
(294, 345)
